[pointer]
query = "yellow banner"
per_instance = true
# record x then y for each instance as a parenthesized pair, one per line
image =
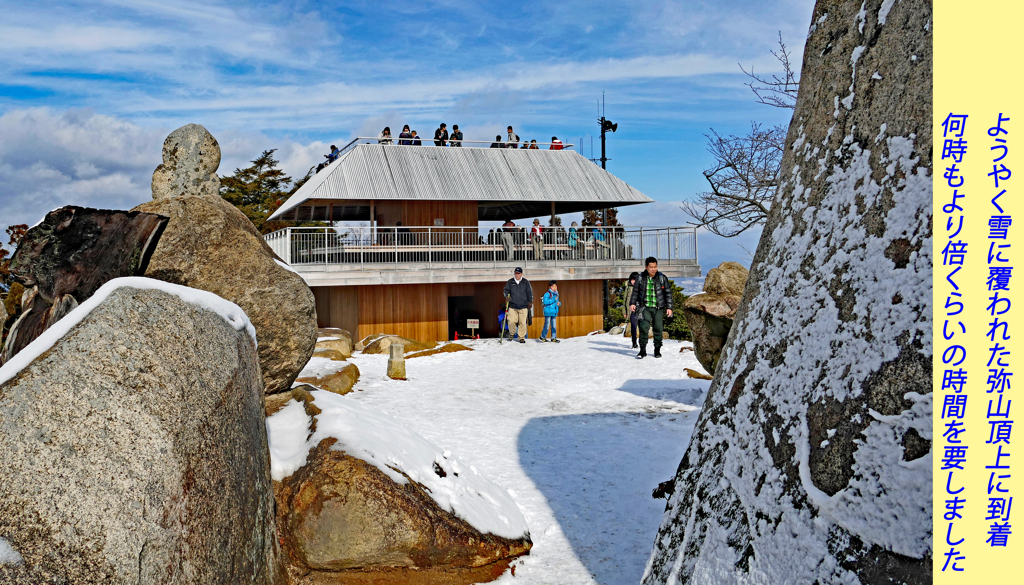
(978, 311)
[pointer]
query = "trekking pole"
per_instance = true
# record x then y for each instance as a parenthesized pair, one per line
(504, 324)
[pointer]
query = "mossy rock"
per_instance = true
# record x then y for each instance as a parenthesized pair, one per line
(446, 348)
(382, 344)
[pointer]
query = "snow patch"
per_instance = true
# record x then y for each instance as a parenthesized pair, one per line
(319, 339)
(881, 132)
(9, 556)
(319, 367)
(862, 16)
(883, 12)
(286, 266)
(398, 452)
(875, 75)
(229, 311)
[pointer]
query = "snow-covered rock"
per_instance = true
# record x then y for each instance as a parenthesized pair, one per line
(133, 447)
(811, 461)
(357, 489)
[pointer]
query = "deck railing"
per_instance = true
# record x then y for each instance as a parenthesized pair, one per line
(423, 141)
(413, 248)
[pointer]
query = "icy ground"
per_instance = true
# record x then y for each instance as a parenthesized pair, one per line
(580, 432)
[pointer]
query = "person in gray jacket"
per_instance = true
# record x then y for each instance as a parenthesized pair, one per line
(519, 296)
(652, 300)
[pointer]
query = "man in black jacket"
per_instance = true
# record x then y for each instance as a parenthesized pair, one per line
(441, 135)
(519, 295)
(652, 300)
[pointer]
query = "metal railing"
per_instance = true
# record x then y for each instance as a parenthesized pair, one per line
(415, 248)
(425, 141)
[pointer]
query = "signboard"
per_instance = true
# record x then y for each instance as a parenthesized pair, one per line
(472, 323)
(438, 221)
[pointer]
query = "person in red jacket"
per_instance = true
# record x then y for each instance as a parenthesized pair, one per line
(556, 144)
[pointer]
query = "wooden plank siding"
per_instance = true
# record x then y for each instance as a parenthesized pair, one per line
(423, 213)
(420, 311)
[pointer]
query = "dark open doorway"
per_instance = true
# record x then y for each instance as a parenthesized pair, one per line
(459, 310)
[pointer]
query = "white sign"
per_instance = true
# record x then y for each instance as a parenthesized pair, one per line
(472, 323)
(438, 221)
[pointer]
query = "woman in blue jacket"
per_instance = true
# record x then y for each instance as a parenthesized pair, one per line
(551, 305)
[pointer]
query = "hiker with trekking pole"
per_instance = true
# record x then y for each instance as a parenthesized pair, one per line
(518, 300)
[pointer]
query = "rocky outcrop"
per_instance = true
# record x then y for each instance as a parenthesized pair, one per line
(340, 382)
(70, 254)
(380, 344)
(210, 245)
(135, 451)
(710, 315)
(191, 156)
(336, 339)
(811, 458)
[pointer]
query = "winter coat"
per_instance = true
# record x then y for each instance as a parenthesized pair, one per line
(383, 138)
(456, 138)
(512, 141)
(405, 142)
(551, 304)
(662, 291)
(626, 298)
(555, 145)
(440, 137)
(573, 236)
(520, 295)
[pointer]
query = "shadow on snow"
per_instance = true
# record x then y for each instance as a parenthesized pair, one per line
(597, 472)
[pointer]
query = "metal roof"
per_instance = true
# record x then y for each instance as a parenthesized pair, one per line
(506, 182)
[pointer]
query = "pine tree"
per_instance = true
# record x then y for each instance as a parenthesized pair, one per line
(257, 191)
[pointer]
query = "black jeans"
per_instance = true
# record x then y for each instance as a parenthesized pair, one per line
(649, 317)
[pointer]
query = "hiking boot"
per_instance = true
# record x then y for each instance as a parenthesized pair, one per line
(522, 341)
(657, 352)
(555, 341)
(635, 345)
(642, 354)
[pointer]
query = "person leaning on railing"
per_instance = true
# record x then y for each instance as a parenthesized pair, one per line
(456, 138)
(441, 135)
(556, 144)
(577, 247)
(405, 134)
(385, 136)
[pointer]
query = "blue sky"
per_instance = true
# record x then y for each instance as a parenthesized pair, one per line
(89, 90)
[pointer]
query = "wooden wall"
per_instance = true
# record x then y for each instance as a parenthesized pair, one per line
(420, 311)
(423, 213)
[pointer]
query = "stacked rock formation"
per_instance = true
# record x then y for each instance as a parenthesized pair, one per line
(210, 245)
(710, 315)
(810, 462)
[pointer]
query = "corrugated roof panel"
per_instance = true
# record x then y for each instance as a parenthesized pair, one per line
(371, 171)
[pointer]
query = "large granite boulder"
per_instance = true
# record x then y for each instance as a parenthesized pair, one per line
(358, 493)
(710, 315)
(210, 245)
(134, 449)
(191, 156)
(68, 255)
(811, 461)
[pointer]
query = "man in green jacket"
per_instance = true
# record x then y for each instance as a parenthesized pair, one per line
(652, 299)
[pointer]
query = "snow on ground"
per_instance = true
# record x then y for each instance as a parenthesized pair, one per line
(378, 439)
(8, 556)
(579, 432)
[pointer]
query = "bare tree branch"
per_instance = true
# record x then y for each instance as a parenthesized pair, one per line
(777, 91)
(742, 181)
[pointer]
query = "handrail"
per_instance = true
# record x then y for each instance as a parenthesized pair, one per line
(415, 247)
(430, 142)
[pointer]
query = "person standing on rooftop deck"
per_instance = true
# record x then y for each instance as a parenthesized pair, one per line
(537, 239)
(385, 136)
(600, 240)
(497, 142)
(441, 135)
(334, 154)
(556, 144)
(513, 139)
(507, 229)
(519, 295)
(405, 134)
(577, 248)
(416, 139)
(533, 145)
(456, 139)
